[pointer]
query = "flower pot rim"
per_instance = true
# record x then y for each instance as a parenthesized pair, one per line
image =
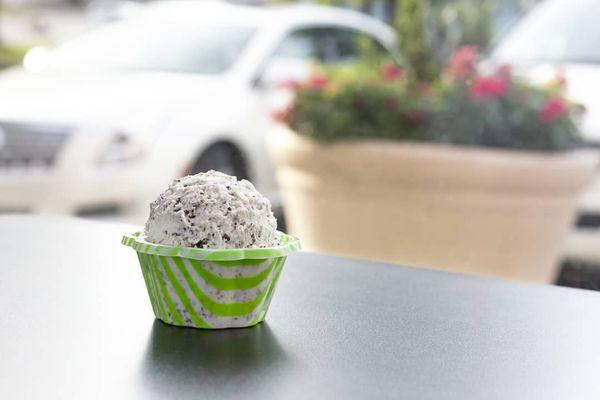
(371, 164)
(431, 146)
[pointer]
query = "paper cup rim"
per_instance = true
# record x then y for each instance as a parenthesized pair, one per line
(289, 244)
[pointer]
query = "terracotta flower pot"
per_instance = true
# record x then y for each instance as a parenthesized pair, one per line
(481, 211)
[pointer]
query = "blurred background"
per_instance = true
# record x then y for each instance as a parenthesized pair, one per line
(103, 103)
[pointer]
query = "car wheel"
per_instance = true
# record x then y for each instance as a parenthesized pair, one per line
(223, 157)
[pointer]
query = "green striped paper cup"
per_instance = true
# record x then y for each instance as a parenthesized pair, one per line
(211, 288)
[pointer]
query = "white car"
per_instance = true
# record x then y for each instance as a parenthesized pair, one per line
(562, 37)
(113, 116)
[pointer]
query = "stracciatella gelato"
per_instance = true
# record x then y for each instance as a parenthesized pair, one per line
(211, 210)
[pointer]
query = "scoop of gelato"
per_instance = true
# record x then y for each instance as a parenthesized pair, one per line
(211, 210)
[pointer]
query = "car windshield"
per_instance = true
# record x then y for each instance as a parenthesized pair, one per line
(557, 31)
(152, 44)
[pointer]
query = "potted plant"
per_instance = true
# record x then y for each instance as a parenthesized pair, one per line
(476, 173)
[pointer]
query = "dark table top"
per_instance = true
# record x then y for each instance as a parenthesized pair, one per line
(76, 323)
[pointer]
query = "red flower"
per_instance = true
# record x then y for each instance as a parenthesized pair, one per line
(288, 84)
(317, 80)
(553, 109)
(416, 115)
(278, 115)
(282, 115)
(391, 72)
(463, 61)
(488, 87)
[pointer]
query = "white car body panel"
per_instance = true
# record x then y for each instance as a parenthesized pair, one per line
(171, 117)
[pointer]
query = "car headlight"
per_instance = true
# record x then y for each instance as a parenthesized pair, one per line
(121, 149)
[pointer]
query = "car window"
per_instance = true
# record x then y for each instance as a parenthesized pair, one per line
(302, 44)
(328, 45)
(350, 44)
(293, 57)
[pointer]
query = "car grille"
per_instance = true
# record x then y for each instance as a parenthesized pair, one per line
(27, 145)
